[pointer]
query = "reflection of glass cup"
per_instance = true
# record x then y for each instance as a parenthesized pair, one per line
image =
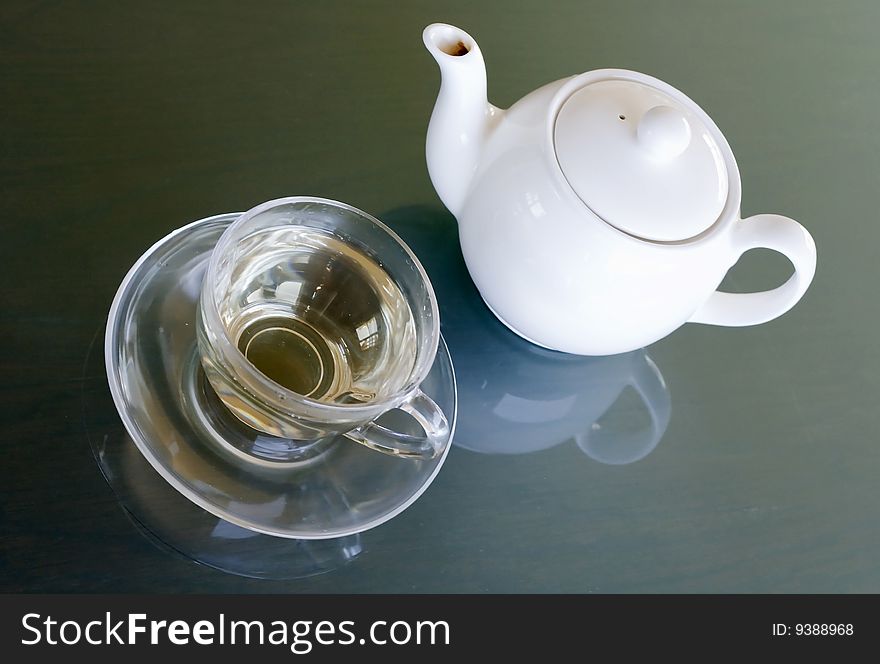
(314, 320)
(173, 523)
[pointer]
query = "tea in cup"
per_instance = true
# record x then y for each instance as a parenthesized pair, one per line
(314, 320)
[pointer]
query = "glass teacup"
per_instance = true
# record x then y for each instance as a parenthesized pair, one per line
(314, 320)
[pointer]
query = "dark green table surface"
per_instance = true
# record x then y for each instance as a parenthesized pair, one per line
(123, 121)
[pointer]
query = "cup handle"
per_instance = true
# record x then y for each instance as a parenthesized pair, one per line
(424, 411)
(649, 384)
(770, 231)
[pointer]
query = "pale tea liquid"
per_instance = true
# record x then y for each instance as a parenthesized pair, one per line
(318, 316)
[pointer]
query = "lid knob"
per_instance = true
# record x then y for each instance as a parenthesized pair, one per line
(664, 132)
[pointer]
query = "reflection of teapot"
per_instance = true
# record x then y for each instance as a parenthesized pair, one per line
(517, 398)
(514, 397)
(600, 212)
(524, 399)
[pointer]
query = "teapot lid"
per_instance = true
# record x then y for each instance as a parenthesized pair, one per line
(641, 160)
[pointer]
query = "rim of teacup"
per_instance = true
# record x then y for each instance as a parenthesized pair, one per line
(282, 397)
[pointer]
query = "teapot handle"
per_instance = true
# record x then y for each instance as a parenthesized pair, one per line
(769, 231)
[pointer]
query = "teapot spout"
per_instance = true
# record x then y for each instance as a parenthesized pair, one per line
(462, 117)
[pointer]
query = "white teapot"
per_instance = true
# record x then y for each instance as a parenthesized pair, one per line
(600, 212)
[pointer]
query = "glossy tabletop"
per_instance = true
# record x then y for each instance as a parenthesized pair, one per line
(716, 460)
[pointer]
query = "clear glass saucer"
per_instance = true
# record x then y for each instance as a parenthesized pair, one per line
(193, 442)
(178, 526)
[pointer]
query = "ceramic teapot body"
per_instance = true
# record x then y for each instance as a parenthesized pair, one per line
(552, 269)
(517, 398)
